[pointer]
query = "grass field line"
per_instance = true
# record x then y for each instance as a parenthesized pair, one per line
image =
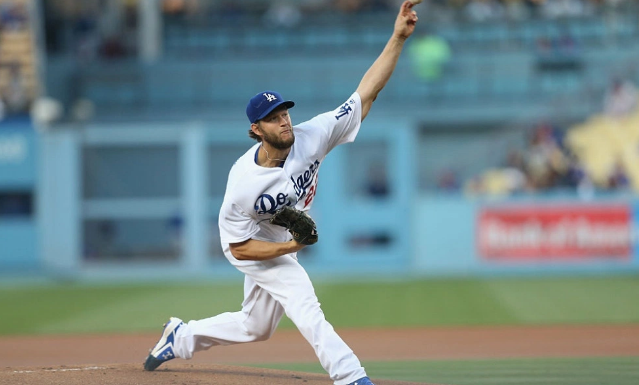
(61, 370)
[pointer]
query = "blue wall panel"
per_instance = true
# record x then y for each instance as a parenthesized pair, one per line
(18, 156)
(443, 241)
(18, 174)
(19, 249)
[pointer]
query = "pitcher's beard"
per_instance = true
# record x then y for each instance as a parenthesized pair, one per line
(278, 143)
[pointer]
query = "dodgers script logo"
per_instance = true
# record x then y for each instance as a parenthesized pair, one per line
(305, 186)
(266, 204)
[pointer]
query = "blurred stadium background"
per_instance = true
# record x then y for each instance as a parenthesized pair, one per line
(507, 140)
(503, 156)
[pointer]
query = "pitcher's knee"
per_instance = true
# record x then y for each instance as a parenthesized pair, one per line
(256, 337)
(259, 332)
(305, 311)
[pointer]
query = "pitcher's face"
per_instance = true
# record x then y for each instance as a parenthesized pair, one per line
(276, 129)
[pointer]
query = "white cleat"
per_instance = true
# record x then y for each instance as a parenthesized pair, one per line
(163, 350)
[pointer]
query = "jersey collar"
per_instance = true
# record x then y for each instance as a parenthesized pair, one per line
(281, 165)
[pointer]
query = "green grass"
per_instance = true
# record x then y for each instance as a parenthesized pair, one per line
(76, 308)
(122, 308)
(556, 371)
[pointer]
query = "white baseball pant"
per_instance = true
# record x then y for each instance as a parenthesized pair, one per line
(271, 288)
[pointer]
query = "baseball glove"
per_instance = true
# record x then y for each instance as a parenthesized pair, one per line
(298, 223)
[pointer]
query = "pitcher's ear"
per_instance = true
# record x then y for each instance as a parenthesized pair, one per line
(255, 132)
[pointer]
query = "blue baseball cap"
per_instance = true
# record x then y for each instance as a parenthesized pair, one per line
(263, 103)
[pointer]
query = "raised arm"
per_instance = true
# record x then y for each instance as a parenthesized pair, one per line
(378, 74)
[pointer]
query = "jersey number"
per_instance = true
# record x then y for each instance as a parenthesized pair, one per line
(310, 196)
(311, 192)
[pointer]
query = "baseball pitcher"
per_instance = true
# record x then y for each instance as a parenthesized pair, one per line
(263, 223)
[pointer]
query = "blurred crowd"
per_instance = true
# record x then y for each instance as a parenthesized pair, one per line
(600, 154)
(91, 29)
(290, 12)
(13, 15)
(542, 165)
(14, 95)
(491, 10)
(555, 156)
(107, 28)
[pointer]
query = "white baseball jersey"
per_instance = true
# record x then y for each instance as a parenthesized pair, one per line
(254, 193)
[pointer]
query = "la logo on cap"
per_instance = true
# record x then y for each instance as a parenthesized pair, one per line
(257, 108)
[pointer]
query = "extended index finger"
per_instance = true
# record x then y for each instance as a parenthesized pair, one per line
(407, 6)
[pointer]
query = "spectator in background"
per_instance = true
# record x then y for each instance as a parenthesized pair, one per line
(13, 16)
(447, 181)
(174, 7)
(565, 8)
(621, 98)
(113, 48)
(575, 176)
(515, 169)
(285, 14)
(543, 165)
(544, 158)
(516, 10)
(231, 11)
(111, 27)
(353, 6)
(484, 10)
(559, 54)
(612, 10)
(314, 6)
(174, 12)
(618, 178)
(16, 98)
(378, 6)
(429, 54)
(85, 35)
(439, 11)
(533, 7)
(349, 6)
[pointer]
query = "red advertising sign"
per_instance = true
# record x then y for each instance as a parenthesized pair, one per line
(554, 232)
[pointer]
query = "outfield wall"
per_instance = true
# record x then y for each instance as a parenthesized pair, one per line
(535, 235)
(141, 202)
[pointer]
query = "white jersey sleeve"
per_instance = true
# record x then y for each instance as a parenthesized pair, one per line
(235, 224)
(338, 126)
(236, 219)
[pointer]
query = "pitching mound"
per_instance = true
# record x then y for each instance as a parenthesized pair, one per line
(176, 374)
(69, 359)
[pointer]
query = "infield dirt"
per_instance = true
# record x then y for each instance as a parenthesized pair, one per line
(117, 359)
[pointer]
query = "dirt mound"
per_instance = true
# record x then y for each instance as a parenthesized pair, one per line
(69, 359)
(172, 374)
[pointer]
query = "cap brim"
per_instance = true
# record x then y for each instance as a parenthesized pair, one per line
(286, 103)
